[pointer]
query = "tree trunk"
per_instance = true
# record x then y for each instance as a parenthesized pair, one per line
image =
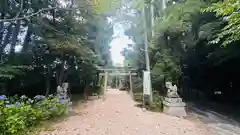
(47, 85)
(1, 27)
(97, 79)
(1, 33)
(9, 33)
(27, 38)
(48, 81)
(14, 38)
(60, 78)
(3, 90)
(2, 8)
(6, 40)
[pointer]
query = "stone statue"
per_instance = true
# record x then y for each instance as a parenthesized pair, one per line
(173, 104)
(62, 93)
(171, 90)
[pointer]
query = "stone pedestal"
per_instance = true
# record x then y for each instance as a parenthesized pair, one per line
(174, 107)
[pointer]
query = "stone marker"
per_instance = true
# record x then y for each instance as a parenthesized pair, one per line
(173, 104)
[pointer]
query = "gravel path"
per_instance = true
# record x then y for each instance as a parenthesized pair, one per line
(117, 115)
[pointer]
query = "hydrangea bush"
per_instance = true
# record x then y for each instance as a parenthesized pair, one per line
(19, 113)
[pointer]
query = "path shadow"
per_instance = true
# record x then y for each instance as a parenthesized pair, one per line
(152, 108)
(139, 105)
(224, 112)
(220, 123)
(77, 100)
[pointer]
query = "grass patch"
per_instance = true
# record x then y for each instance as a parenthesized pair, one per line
(156, 106)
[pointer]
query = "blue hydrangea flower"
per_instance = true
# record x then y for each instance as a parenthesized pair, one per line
(62, 101)
(61, 97)
(39, 97)
(3, 97)
(18, 104)
(54, 108)
(9, 106)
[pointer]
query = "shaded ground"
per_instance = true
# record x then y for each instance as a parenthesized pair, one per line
(218, 123)
(117, 115)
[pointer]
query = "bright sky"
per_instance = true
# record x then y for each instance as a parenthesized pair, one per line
(119, 42)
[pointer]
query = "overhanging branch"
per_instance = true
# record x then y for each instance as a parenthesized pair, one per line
(36, 13)
(28, 16)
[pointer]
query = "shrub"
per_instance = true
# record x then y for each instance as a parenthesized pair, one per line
(157, 102)
(95, 90)
(155, 106)
(19, 113)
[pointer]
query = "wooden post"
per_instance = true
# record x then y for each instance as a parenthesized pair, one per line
(130, 81)
(116, 82)
(143, 96)
(120, 83)
(105, 83)
(98, 79)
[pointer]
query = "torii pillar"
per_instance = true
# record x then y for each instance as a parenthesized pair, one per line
(130, 82)
(105, 83)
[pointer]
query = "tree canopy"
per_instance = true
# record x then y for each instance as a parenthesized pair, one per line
(187, 45)
(51, 42)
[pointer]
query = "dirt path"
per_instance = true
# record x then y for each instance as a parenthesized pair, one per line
(117, 115)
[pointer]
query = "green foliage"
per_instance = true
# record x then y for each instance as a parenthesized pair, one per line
(18, 114)
(105, 6)
(178, 17)
(181, 49)
(230, 11)
(96, 90)
(9, 71)
(157, 104)
(58, 44)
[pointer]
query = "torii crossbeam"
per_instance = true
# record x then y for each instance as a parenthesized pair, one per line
(117, 72)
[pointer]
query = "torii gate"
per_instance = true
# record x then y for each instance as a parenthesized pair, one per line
(117, 72)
